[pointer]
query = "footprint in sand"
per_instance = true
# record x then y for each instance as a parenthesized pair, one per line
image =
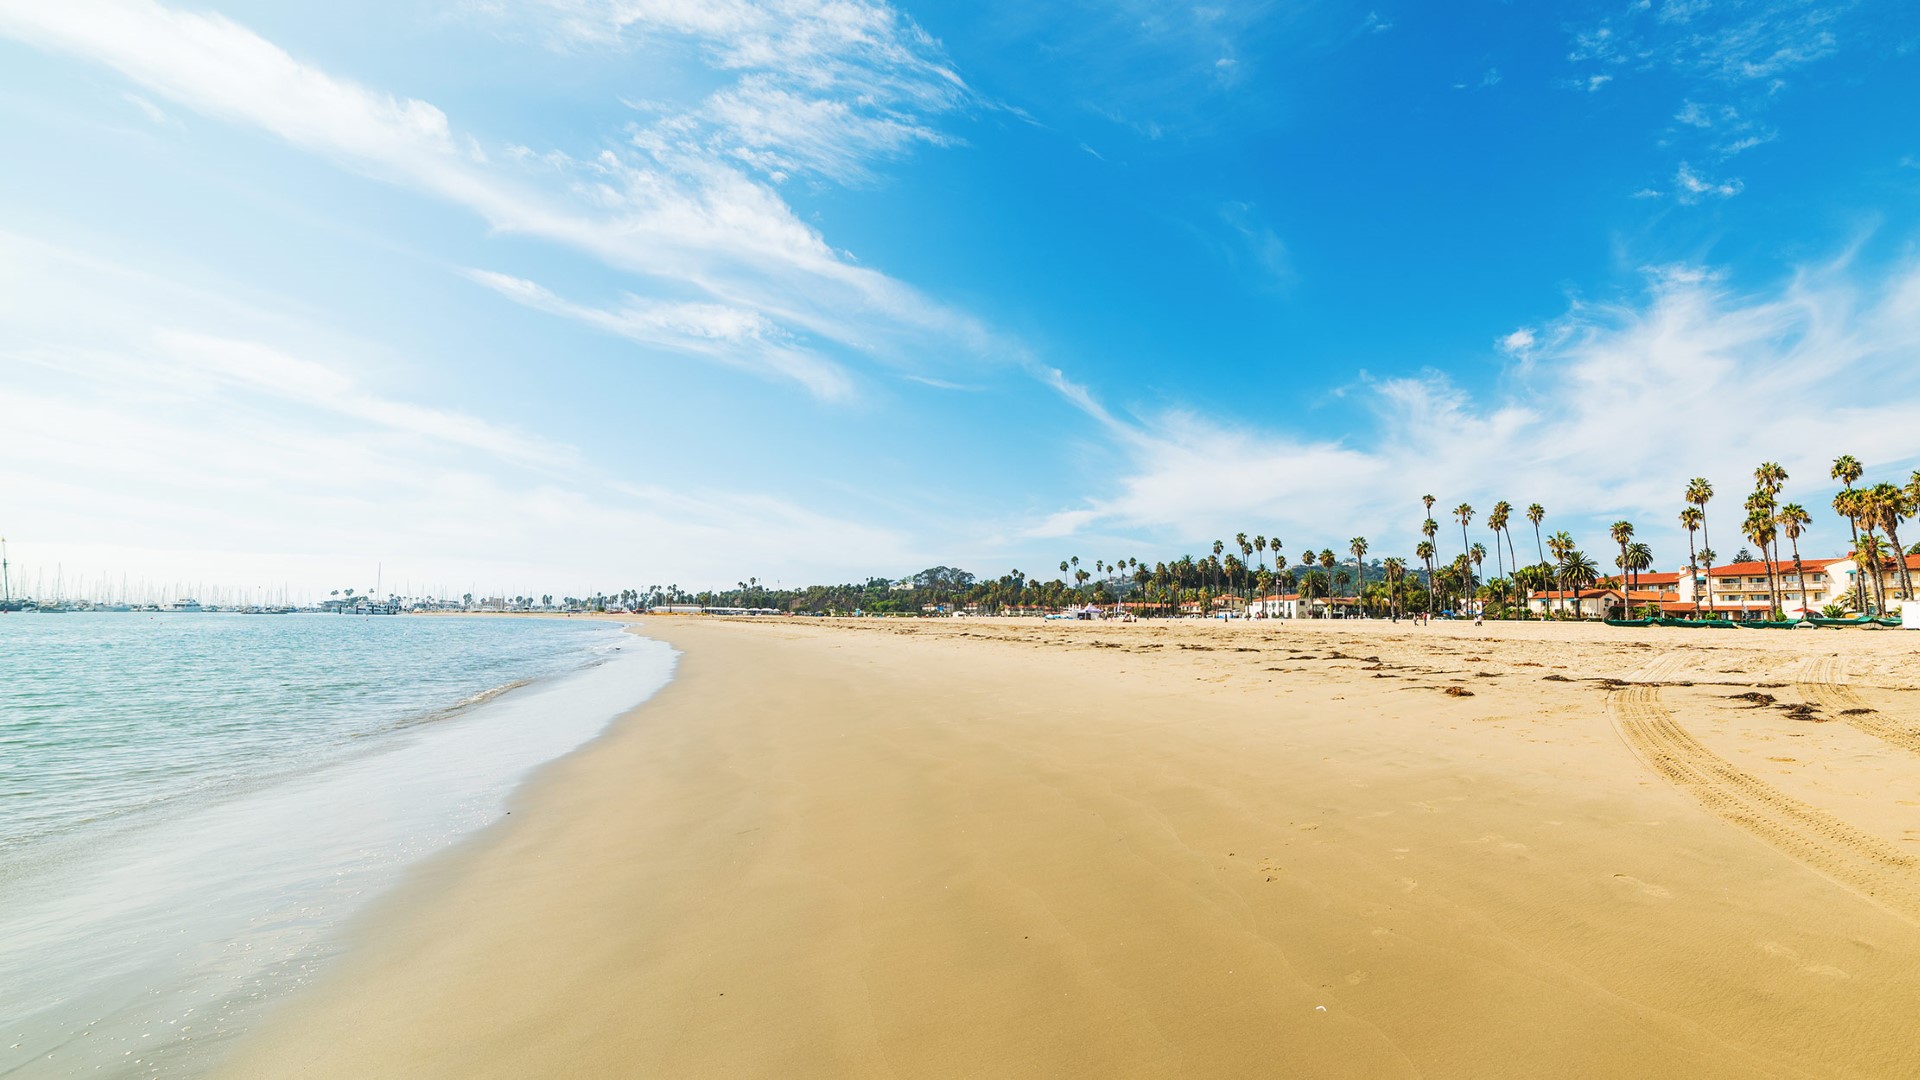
(1407, 884)
(1774, 948)
(1658, 892)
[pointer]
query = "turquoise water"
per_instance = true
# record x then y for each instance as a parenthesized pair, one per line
(191, 805)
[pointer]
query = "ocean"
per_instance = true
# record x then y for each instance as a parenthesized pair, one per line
(192, 806)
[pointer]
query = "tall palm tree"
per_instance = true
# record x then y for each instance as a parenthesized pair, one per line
(1850, 504)
(1560, 544)
(1424, 552)
(1769, 477)
(1396, 572)
(1888, 504)
(1537, 514)
(1622, 533)
(1478, 554)
(1690, 520)
(1847, 469)
(1699, 493)
(1793, 519)
(1759, 528)
(1358, 545)
(1464, 513)
(1497, 521)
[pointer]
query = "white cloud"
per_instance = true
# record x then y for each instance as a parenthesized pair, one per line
(1606, 412)
(680, 209)
(147, 108)
(1739, 55)
(1692, 187)
(163, 433)
(817, 86)
(1257, 246)
(730, 335)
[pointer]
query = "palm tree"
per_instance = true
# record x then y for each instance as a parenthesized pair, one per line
(1430, 529)
(1537, 514)
(1847, 469)
(1395, 571)
(1866, 563)
(1770, 478)
(1560, 544)
(1793, 518)
(1759, 528)
(1690, 520)
(1358, 545)
(1464, 513)
(1639, 558)
(1424, 552)
(1478, 554)
(1622, 532)
(1699, 493)
(1577, 571)
(1888, 504)
(1497, 521)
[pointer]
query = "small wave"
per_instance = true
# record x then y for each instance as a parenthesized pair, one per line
(462, 705)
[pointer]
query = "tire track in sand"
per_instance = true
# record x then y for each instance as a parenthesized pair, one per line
(1823, 681)
(1815, 838)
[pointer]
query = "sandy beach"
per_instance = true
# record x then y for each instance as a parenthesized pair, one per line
(986, 848)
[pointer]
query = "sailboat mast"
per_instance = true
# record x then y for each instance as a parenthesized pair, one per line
(6, 582)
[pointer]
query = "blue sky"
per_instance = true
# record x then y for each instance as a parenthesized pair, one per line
(575, 294)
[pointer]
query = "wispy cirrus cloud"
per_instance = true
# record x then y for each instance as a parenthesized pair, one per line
(730, 335)
(689, 202)
(811, 87)
(1733, 60)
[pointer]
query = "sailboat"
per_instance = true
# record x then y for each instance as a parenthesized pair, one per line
(7, 602)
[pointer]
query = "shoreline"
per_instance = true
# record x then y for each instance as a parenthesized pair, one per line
(155, 942)
(976, 848)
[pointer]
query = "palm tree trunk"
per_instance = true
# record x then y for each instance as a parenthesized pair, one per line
(1706, 541)
(1693, 567)
(1900, 563)
(1497, 571)
(1800, 575)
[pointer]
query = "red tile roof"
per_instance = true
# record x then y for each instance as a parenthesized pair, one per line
(1759, 569)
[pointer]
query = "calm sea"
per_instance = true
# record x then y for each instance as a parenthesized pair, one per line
(192, 804)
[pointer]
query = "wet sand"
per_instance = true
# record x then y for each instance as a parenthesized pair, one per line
(995, 848)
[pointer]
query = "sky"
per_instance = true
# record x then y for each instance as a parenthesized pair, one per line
(571, 295)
